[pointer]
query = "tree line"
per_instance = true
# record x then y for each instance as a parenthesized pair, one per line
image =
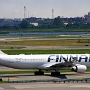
(53, 23)
(58, 22)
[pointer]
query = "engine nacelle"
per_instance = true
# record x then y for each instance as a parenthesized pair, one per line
(79, 68)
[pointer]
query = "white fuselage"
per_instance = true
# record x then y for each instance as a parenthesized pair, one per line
(35, 61)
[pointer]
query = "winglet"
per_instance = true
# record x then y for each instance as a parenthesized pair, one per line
(2, 53)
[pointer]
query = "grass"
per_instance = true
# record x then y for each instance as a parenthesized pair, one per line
(28, 71)
(1, 82)
(17, 72)
(14, 52)
(32, 71)
(44, 30)
(60, 42)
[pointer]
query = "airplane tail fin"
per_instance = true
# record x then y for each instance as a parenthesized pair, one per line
(2, 53)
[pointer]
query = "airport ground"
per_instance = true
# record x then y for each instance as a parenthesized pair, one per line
(44, 42)
(43, 85)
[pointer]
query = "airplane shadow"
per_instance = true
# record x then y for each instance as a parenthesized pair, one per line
(64, 76)
(61, 76)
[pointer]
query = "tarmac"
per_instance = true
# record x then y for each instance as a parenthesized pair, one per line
(54, 47)
(43, 85)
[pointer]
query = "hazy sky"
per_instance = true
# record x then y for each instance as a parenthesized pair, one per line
(43, 8)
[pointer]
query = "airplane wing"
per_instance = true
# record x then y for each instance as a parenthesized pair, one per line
(58, 64)
(65, 64)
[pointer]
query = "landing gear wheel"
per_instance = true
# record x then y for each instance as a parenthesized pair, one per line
(38, 73)
(55, 73)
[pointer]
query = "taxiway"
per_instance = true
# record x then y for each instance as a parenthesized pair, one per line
(43, 85)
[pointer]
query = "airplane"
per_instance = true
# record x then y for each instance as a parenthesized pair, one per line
(53, 62)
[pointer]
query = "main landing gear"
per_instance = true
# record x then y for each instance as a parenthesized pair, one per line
(39, 72)
(42, 73)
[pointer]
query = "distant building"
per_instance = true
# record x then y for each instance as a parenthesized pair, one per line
(35, 24)
(36, 21)
(33, 19)
(88, 14)
(43, 21)
(17, 19)
(87, 17)
(9, 22)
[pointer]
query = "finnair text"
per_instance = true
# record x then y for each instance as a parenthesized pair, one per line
(67, 58)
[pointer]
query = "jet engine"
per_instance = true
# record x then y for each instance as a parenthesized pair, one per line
(79, 68)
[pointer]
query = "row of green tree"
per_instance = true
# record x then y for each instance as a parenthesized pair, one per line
(55, 23)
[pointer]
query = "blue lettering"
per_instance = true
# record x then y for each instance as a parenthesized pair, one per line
(83, 57)
(57, 58)
(51, 58)
(63, 58)
(72, 57)
(89, 58)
